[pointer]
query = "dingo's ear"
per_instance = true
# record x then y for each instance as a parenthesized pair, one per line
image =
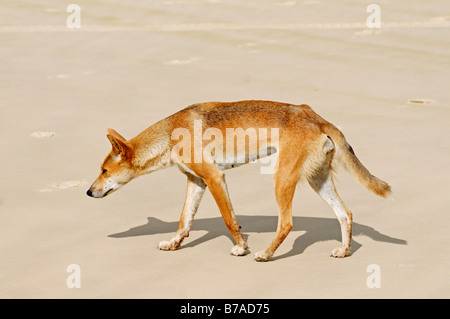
(116, 135)
(120, 148)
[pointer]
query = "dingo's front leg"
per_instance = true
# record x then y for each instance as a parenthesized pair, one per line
(218, 188)
(194, 193)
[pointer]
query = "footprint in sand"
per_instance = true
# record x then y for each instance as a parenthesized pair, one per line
(60, 76)
(181, 62)
(41, 135)
(421, 101)
(64, 185)
(69, 184)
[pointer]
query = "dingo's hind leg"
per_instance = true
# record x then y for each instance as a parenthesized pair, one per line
(322, 183)
(286, 179)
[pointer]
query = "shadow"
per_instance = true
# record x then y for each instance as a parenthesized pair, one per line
(316, 229)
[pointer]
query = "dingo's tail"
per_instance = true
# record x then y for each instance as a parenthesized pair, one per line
(351, 163)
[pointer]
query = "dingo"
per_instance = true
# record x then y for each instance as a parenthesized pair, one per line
(308, 148)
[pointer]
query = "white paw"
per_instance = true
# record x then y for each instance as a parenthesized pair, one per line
(167, 245)
(340, 252)
(262, 256)
(238, 250)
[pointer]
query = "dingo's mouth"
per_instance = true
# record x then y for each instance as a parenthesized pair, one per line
(109, 191)
(91, 194)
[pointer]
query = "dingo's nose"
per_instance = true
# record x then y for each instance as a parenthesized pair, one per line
(89, 193)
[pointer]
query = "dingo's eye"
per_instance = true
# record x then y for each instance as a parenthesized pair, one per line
(104, 171)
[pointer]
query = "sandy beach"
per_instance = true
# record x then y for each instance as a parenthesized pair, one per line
(130, 65)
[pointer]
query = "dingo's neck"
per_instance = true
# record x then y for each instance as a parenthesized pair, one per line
(152, 149)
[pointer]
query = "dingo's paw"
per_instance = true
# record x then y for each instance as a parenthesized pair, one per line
(238, 250)
(167, 245)
(340, 252)
(262, 256)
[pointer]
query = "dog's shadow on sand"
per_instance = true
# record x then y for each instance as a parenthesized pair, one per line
(316, 229)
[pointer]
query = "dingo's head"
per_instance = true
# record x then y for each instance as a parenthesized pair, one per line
(116, 169)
